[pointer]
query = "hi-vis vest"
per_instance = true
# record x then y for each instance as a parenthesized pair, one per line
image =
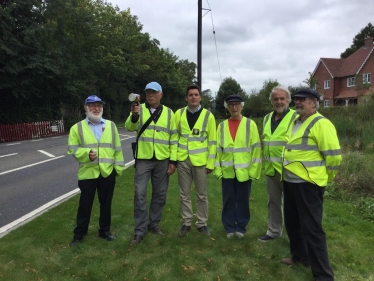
(313, 152)
(240, 158)
(109, 151)
(273, 144)
(199, 144)
(160, 139)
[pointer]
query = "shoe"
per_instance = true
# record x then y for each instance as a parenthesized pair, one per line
(265, 238)
(203, 229)
(240, 235)
(290, 261)
(75, 242)
(137, 239)
(107, 235)
(230, 235)
(184, 229)
(155, 229)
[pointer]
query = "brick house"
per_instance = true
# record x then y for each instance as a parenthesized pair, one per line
(343, 82)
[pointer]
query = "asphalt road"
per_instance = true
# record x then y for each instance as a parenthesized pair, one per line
(35, 172)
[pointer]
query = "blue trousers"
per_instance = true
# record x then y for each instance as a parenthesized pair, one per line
(235, 211)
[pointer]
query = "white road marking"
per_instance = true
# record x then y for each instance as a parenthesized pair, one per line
(128, 137)
(9, 144)
(8, 155)
(38, 140)
(27, 166)
(46, 153)
(56, 137)
(30, 216)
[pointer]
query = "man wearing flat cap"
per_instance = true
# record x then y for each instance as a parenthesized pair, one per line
(156, 157)
(238, 161)
(95, 144)
(312, 157)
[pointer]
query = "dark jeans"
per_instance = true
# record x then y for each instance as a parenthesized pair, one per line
(303, 209)
(105, 188)
(235, 211)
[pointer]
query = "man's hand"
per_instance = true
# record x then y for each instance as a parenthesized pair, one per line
(171, 169)
(93, 155)
(208, 171)
(135, 108)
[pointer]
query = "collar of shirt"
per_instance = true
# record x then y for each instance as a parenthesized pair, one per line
(152, 109)
(102, 121)
(196, 110)
(303, 118)
(283, 114)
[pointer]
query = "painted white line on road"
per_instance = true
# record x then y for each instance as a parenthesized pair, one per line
(127, 138)
(9, 144)
(46, 153)
(27, 166)
(38, 140)
(56, 137)
(8, 155)
(30, 216)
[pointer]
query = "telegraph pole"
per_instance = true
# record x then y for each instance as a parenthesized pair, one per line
(199, 41)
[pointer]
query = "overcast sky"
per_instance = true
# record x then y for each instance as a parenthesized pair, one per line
(256, 39)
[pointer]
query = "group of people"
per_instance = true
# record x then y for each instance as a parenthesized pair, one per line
(299, 151)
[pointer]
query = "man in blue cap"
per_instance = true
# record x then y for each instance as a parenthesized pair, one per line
(155, 156)
(95, 144)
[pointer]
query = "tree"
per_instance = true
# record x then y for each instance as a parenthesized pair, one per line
(228, 87)
(359, 40)
(207, 99)
(258, 104)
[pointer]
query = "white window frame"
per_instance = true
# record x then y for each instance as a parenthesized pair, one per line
(366, 78)
(351, 81)
(326, 84)
(326, 103)
(314, 87)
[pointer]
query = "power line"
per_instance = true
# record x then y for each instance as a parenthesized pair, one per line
(215, 41)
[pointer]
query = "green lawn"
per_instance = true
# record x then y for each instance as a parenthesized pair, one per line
(40, 249)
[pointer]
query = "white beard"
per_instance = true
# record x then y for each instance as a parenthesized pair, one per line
(94, 118)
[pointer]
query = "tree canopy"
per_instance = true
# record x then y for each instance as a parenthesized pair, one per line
(55, 53)
(359, 40)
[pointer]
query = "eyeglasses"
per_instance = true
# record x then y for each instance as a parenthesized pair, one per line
(233, 104)
(93, 105)
(300, 99)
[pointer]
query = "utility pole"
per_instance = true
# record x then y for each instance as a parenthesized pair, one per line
(199, 41)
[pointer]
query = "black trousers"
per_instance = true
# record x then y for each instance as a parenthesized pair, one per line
(303, 209)
(105, 189)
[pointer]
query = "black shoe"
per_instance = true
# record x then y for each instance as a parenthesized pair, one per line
(75, 241)
(204, 230)
(184, 229)
(155, 229)
(107, 235)
(137, 239)
(265, 238)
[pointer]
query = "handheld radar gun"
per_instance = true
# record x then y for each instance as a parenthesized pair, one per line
(135, 98)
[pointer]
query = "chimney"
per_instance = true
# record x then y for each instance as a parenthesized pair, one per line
(368, 41)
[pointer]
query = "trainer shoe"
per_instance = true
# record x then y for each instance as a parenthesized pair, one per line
(184, 229)
(203, 229)
(239, 234)
(230, 235)
(265, 238)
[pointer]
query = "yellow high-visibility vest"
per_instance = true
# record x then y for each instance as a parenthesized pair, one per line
(199, 144)
(109, 150)
(240, 158)
(313, 152)
(159, 139)
(273, 143)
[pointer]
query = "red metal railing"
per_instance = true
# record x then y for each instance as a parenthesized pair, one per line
(35, 130)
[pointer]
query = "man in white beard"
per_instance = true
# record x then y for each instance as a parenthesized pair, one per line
(95, 144)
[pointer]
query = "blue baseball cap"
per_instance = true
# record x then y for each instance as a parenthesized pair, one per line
(93, 98)
(306, 93)
(153, 86)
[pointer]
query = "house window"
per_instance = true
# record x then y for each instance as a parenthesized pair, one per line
(314, 87)
(326, 103)
(351, 82)
(366, 77)
(327, 84)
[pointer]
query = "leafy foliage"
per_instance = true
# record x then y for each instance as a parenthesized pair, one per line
(55, 53)
(359, 40)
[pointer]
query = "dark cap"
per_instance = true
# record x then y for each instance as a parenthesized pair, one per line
(306, 93)
(231, 98)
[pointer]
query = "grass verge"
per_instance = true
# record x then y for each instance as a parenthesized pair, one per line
(40, 249)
